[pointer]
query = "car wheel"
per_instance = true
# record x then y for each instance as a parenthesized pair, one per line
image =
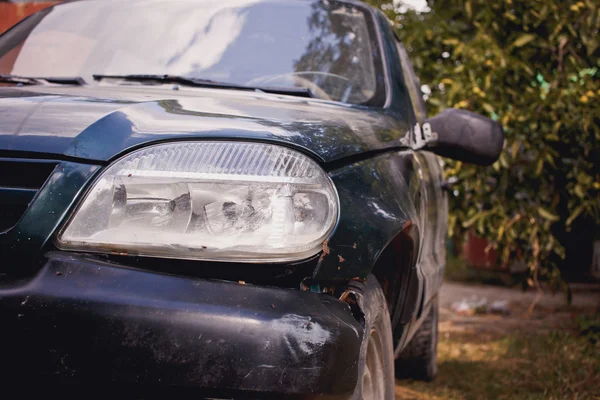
(376, 361)
(419, 359)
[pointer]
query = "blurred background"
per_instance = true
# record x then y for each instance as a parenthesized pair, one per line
(534, 66)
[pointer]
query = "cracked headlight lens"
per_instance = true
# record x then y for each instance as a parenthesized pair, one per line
(228, 201)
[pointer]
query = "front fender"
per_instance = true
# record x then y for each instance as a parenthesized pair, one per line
(379, 197)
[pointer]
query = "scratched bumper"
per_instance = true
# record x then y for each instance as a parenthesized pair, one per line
(83, 322)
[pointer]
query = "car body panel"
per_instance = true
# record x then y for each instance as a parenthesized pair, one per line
(26, 241)
(375, 206)
(102, 122)
(173, 331)
(380, 198)
(435, 216)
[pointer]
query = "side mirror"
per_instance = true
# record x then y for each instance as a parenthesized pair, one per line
(465, 136)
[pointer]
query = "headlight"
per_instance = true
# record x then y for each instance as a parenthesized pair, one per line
(230, 201)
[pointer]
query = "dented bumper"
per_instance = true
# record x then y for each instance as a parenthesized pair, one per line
(82, 322)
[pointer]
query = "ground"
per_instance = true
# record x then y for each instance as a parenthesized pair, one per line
(550, 353)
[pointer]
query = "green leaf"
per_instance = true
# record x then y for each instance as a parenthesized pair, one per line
(514, 150)
(451, 224)
(480, 228)
(510, 16)
(548, 215)
(450, 42)
(504, 160)
(575, 214)
(488, 107)
(550, 159)
(500, 232)
(471, 221)
(533, 233)
(539, 167)
(523, 40)
(556, 127)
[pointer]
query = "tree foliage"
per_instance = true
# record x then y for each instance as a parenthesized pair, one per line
(533, 65)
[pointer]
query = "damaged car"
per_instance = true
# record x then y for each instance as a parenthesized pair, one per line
(224, 199)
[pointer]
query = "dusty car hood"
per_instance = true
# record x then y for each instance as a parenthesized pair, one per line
(101, 122)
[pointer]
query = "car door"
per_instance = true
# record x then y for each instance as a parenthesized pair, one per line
(434, 217)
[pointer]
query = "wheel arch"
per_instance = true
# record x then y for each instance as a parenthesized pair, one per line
(396, 271)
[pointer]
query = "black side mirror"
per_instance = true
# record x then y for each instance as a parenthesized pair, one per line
(465, 136)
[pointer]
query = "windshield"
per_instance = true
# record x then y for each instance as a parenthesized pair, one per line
(327, 47)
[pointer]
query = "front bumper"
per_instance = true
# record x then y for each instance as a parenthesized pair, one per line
(82, 321)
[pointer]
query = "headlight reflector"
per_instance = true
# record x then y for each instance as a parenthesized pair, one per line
(229, 201)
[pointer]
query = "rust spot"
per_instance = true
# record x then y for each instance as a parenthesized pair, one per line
(341, 259)
(242, 282)
(326, 250)
(354, 245)
(304, 286)
(344, 296)
(351, 300)
(129, 176)
(58, 273)
(328, 290)
(272, 305)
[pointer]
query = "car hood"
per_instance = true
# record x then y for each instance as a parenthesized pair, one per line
(100, 122)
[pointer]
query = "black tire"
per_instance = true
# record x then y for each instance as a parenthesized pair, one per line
(419, 359)
(376, 361)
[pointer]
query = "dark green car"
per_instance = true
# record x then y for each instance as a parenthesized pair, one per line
(224, 199)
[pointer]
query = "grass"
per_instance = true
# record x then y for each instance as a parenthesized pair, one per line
(589, 326)
(558, 357)
(518, 365)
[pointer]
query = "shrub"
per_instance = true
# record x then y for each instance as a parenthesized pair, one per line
(533, 65)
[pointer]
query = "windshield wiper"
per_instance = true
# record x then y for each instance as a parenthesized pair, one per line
(207, 83)
(27, 80)
(64, 80)
(18, 79)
